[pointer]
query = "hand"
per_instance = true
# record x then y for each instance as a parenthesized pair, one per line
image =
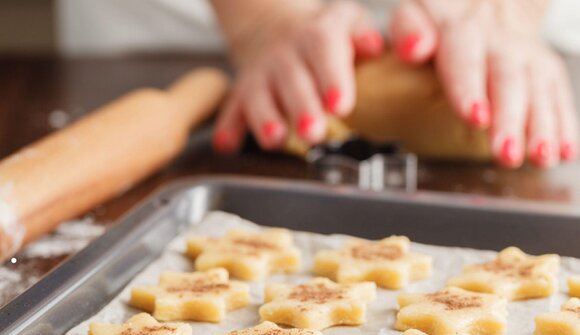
(291, 76)
(496, 71)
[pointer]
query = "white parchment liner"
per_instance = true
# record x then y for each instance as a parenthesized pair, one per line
(381, 314)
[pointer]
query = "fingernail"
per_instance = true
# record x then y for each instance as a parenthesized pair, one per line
(305, 123)
(568, 151)
(331, 100)
(222, 142)
(542, 154)
(511, 153)
(271, 130)
(370, 43)
(480, 114)
(408, 46)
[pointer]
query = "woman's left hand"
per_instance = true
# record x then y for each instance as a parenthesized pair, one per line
(496, 71)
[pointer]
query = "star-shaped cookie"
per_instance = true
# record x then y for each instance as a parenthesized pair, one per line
(564, 322)
(452, 311)
(198, 296)
(513, 275)
(140, 324)
(246, 255)
(317, 304)
(387, 262)
(270, 328)
(574, 286)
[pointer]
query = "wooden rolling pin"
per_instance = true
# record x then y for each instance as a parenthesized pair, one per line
(100, 156)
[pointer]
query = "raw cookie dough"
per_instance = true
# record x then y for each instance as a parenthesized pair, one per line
(452, 311)
(387, 262)
(513, 275)
(246, 255)
(198, 296)
(317, 304)
(270, 328)
(574, 286)
(564, 322)
(140, 324)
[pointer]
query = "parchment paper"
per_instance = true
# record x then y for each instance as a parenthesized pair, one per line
(381, 313)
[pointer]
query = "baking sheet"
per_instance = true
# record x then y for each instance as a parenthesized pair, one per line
(448, 262)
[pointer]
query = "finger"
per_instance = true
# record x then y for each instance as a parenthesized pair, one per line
(298, 95)
(509, 102)
(461, 65)
(229, 129)
(329, 54)
(263, 116)
(567, 115)
(542, 145)
(413, 32)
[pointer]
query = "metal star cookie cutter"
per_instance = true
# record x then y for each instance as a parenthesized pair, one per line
(369, 166)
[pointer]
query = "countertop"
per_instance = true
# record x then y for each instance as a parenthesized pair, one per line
(40, 95)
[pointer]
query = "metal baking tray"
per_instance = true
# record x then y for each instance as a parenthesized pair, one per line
(82, 285)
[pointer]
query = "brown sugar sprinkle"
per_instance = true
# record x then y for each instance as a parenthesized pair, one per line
(149, 330)
(376, 251)
(318, 293)
(516, 269)
(272, 332)
(454, 302)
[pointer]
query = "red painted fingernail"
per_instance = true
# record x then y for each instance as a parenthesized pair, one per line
(408, 46)
(331, 100)
(369, 44)
(305, 123)
(511, 154)
(271, 130)
(568, 151)
(542, 154)
(480, 114)
(222, 142)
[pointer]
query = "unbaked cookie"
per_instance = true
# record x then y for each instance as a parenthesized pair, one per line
(140, 324)
(564, 322)
(248, 256)
(513, 275)
(452, 311)
(270, 328)
(574, 286)
(198, 296)
(317, 304)
(387, 262)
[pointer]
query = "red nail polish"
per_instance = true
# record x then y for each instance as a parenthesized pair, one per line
(369, 44)
(542, 153)
(408, 46)
(480, 114)
(510, 152)
(568, 151)
(305, 123)
(271, 130)
(331, 100)
(221, 142)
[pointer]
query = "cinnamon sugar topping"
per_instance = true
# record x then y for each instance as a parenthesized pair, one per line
(149, 330)
(454, 301)
(318, 293)
(514, 269)
(254, 243)
(199, 287)
(377, 251)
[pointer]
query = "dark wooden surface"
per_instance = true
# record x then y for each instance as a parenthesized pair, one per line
(33, 89)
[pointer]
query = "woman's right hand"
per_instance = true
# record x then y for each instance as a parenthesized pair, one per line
(292, 71)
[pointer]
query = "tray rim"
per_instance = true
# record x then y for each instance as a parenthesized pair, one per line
(167, 193)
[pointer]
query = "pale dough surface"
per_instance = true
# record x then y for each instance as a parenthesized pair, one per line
(448, 262)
